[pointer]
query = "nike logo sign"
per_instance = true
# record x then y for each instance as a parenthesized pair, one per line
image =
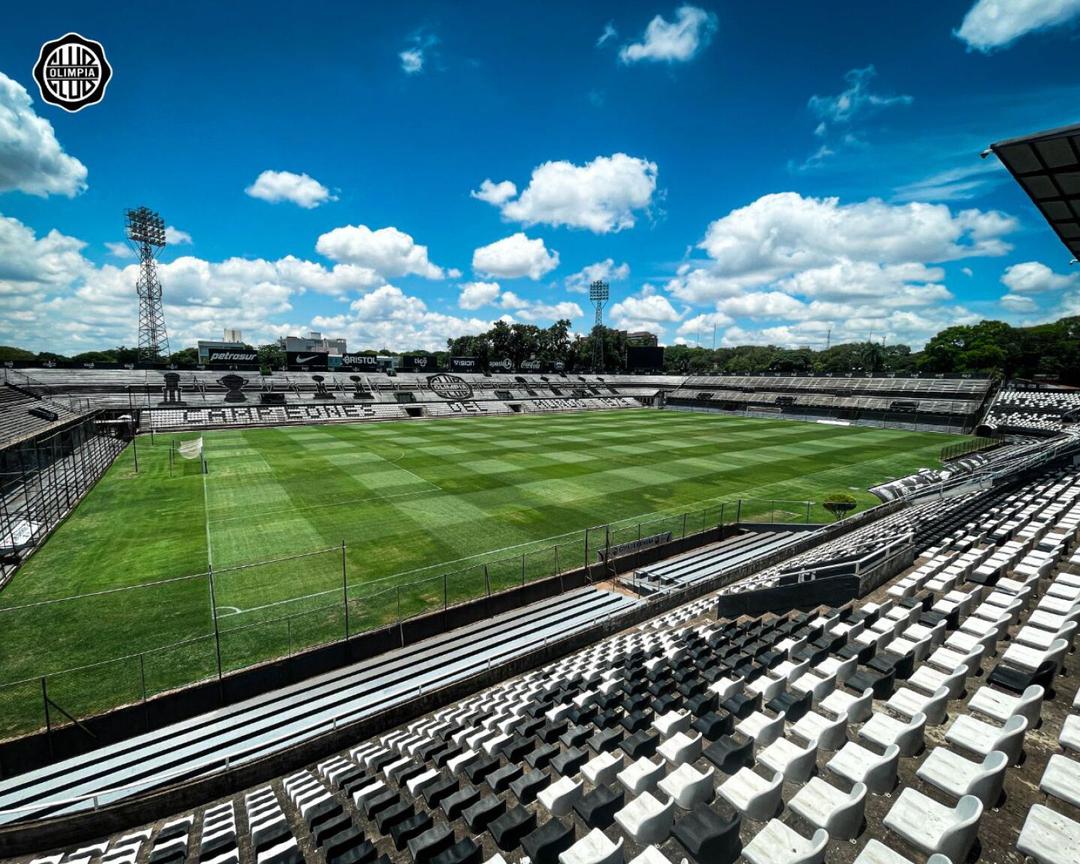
(300, 361)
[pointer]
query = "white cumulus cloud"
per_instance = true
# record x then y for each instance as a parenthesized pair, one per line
(605, 271)
(31, 159)
(515, 256)
(300, 189)
(387, 251)
(650, 312)
(602, 195)
(1034, 277)
(991, 24)
(673, 41)
(476, 294)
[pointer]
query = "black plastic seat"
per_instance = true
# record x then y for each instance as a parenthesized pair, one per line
(482, 812)
(372, 805)
(729, 754)
(710, 837)
(902, 665)
(547, 842)
(500, 779)
(575, 736)
(426, 846)
(478, 769)
(566, 764)
(742, 705)
(1018, 680)
(714, 724)
(635, 721)
(597, 809)
(390, 816)
(792, 703)
(403, 831)
(348, 846)
(882, 683)
(541, 756)
(435, 792)
(509, 829)
(643, 743)
(528, 785)
(323, 833)
(452, 805)
(667, 702)
(550, 731)
(606, 740)
(463, 852)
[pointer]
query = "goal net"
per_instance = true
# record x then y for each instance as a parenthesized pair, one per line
(190, 449)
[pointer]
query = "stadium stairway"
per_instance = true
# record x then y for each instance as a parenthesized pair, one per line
(933, 723)
(283, 718)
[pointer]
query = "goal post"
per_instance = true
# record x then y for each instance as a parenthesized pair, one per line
(193, 451)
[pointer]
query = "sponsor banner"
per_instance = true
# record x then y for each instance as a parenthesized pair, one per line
(649, 359)
(270, 415)
(602, 555)
(368, 362)
(312, 360)
(232, 357)
(463, 364)
(450, 387)
(533, 364)
(500, 364)
(467, 407)
(413, 363)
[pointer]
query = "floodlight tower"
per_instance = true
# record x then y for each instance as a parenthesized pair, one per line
(146, 234)
(598, 295)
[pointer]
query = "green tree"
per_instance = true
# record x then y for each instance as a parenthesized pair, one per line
(839, 504)
(9, 353)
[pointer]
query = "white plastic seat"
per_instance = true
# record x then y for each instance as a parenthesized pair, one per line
(778, 844)
(603, 769)
(560, 796)
(1062, 779)
(830, 734)
(1030, 659)
(883, 730)
(762, 728)
(680, 748)
(1000, 706)
(930, 680)
(641, 775)
(824, 806)
(840, 669)
(855, 708)
(794, 762)
(876, 852)
(1036, 637)
(593, 848)
(979, 737)
(1070, 733)
(688, 786)
(957, 776)
(812, 683)
(933, 827)
(859, 765)
(907, 703)
(768, 687)
(725, 688)
(646, 820)
(753, 795)
(1049, 837)
(671, 722)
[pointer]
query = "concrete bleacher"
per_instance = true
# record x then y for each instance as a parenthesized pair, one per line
(17, 423)
(934, 720)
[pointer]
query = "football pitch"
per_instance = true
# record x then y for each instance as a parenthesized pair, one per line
(411, 502)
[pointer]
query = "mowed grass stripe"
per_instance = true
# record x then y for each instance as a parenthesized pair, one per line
(497, 483)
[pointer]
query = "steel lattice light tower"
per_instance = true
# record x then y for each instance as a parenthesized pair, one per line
(598, 294)
(146, 233)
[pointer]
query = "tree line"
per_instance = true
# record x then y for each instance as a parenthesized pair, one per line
(986, 348)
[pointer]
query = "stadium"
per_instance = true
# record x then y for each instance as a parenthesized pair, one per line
(528, 606)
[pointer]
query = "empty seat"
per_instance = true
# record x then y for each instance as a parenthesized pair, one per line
(824, 806)
(1000, 706)
(593, 848)
(708, 836)
(843, 704)
(876, 852)
(546, 843)
(933, 827)
(646, 819)
(908, 702)
(680, 748)
(1049, 837)
(859, 765)
(753, 795)
(1062, 779)
(883, 730)
(688, 786)
(794, 762)
(979, 737)
(558, 798)
(602, 770)
(829, 734)
(957, 776)
(776, 843)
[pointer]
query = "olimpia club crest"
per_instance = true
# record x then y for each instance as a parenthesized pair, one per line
(450, 387)
(72, 72)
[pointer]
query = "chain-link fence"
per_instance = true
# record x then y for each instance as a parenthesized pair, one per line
(209, 624)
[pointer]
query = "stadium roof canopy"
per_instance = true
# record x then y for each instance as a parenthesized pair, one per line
(1047, 166)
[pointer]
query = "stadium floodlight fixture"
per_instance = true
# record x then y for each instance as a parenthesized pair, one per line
(598, 291)
(146, 226)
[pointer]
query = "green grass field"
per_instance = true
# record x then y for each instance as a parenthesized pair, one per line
(410, 501)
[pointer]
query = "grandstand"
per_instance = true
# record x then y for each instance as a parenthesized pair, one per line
(948, 404)
(1033, 411)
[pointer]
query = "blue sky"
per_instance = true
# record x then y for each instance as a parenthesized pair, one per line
(771, 171)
